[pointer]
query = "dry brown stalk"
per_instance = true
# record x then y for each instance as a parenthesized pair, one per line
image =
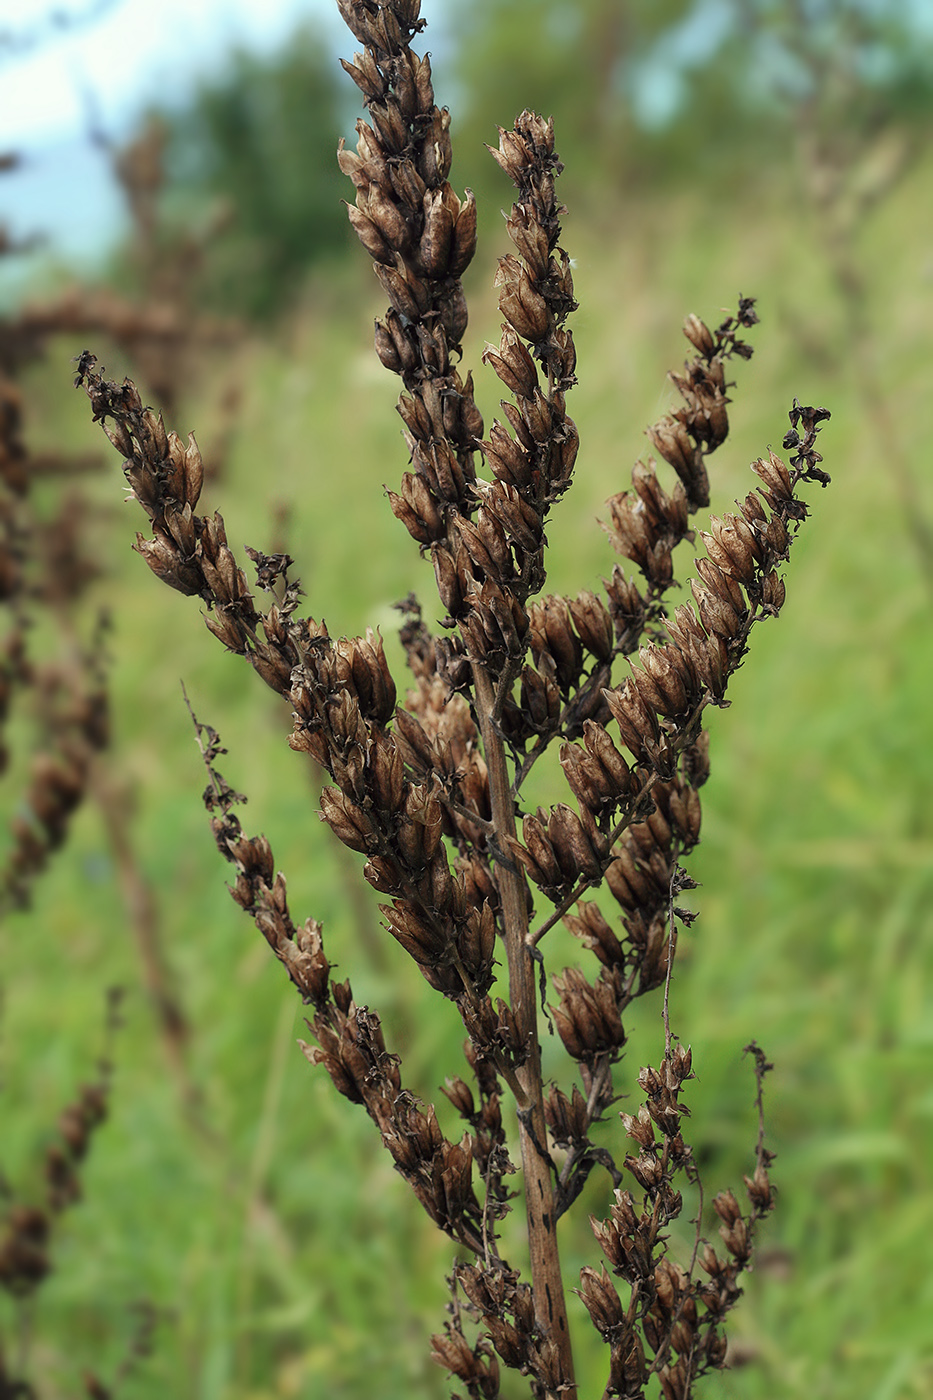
(430, 790)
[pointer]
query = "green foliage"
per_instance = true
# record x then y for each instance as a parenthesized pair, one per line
(260, 139)
(668, 92)
(559, 59)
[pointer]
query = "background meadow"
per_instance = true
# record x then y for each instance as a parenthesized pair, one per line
(230, 1189)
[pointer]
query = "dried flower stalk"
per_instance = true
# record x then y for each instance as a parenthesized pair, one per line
(429, 791)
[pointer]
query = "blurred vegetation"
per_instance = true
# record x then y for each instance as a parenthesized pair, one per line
(259, 144)
(288, 1259)
(644, 95)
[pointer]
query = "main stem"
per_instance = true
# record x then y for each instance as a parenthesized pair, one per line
(546, 1280)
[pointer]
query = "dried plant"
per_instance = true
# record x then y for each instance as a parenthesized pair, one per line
(49, 555)
(45, 566)
(156, 329)
(432, 792)
(28, 1220)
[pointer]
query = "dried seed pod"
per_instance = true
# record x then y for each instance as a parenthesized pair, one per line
(601, 1300)
(386, 348)
(537, 855)
(439, 222)
(574, 848)
(717, 615)
(386, 774)
(699, 335)
(666, 680)
(162, 556)
(508, 460)
(449, 582)
(730, 550)
(775, 476)
(593, 624)
(463, 241)
(420, 938)
(417, 509)
(540, 699)
(349, 822)
(723, 585)
(513, 364)
(371, 237)
(637, 721)
(592, 929)
(568, 1119)
(772, 592)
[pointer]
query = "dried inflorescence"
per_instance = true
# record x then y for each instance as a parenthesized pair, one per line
(671, 1321)
(45, 567)
(430, 790)
(27, 1223)
(156, 329)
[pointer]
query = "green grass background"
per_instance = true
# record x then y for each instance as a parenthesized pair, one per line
(267, 1223)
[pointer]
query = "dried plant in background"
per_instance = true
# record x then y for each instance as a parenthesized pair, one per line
(432, 791)
(49, 556)
(45, 567)
(55, 688)
(28, 1221)
(156, 329)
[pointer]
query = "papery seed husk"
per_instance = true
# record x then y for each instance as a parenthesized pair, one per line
(165, 562)
(578, 772)
(722, 584)
(773, 592)
(506, 458)
(454, 315)
(571, 846)
(717, 615)
(777, 537)
(775, 476)
(747, 526)
(530, 239)
(386, 349)
(672, 442)
(387, 217)
(382, 874)
(728, 552)
(593, 624)
(387, 774)
(390, 127)
(463, 242)
(434, 248)
(599, 743)
(570, 1035)
(410, 518)
(667, 670)
(534, 832)
(347, 821)
(699, 335)
(370, 236)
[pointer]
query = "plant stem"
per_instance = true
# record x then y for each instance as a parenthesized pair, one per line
(541, 1214)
